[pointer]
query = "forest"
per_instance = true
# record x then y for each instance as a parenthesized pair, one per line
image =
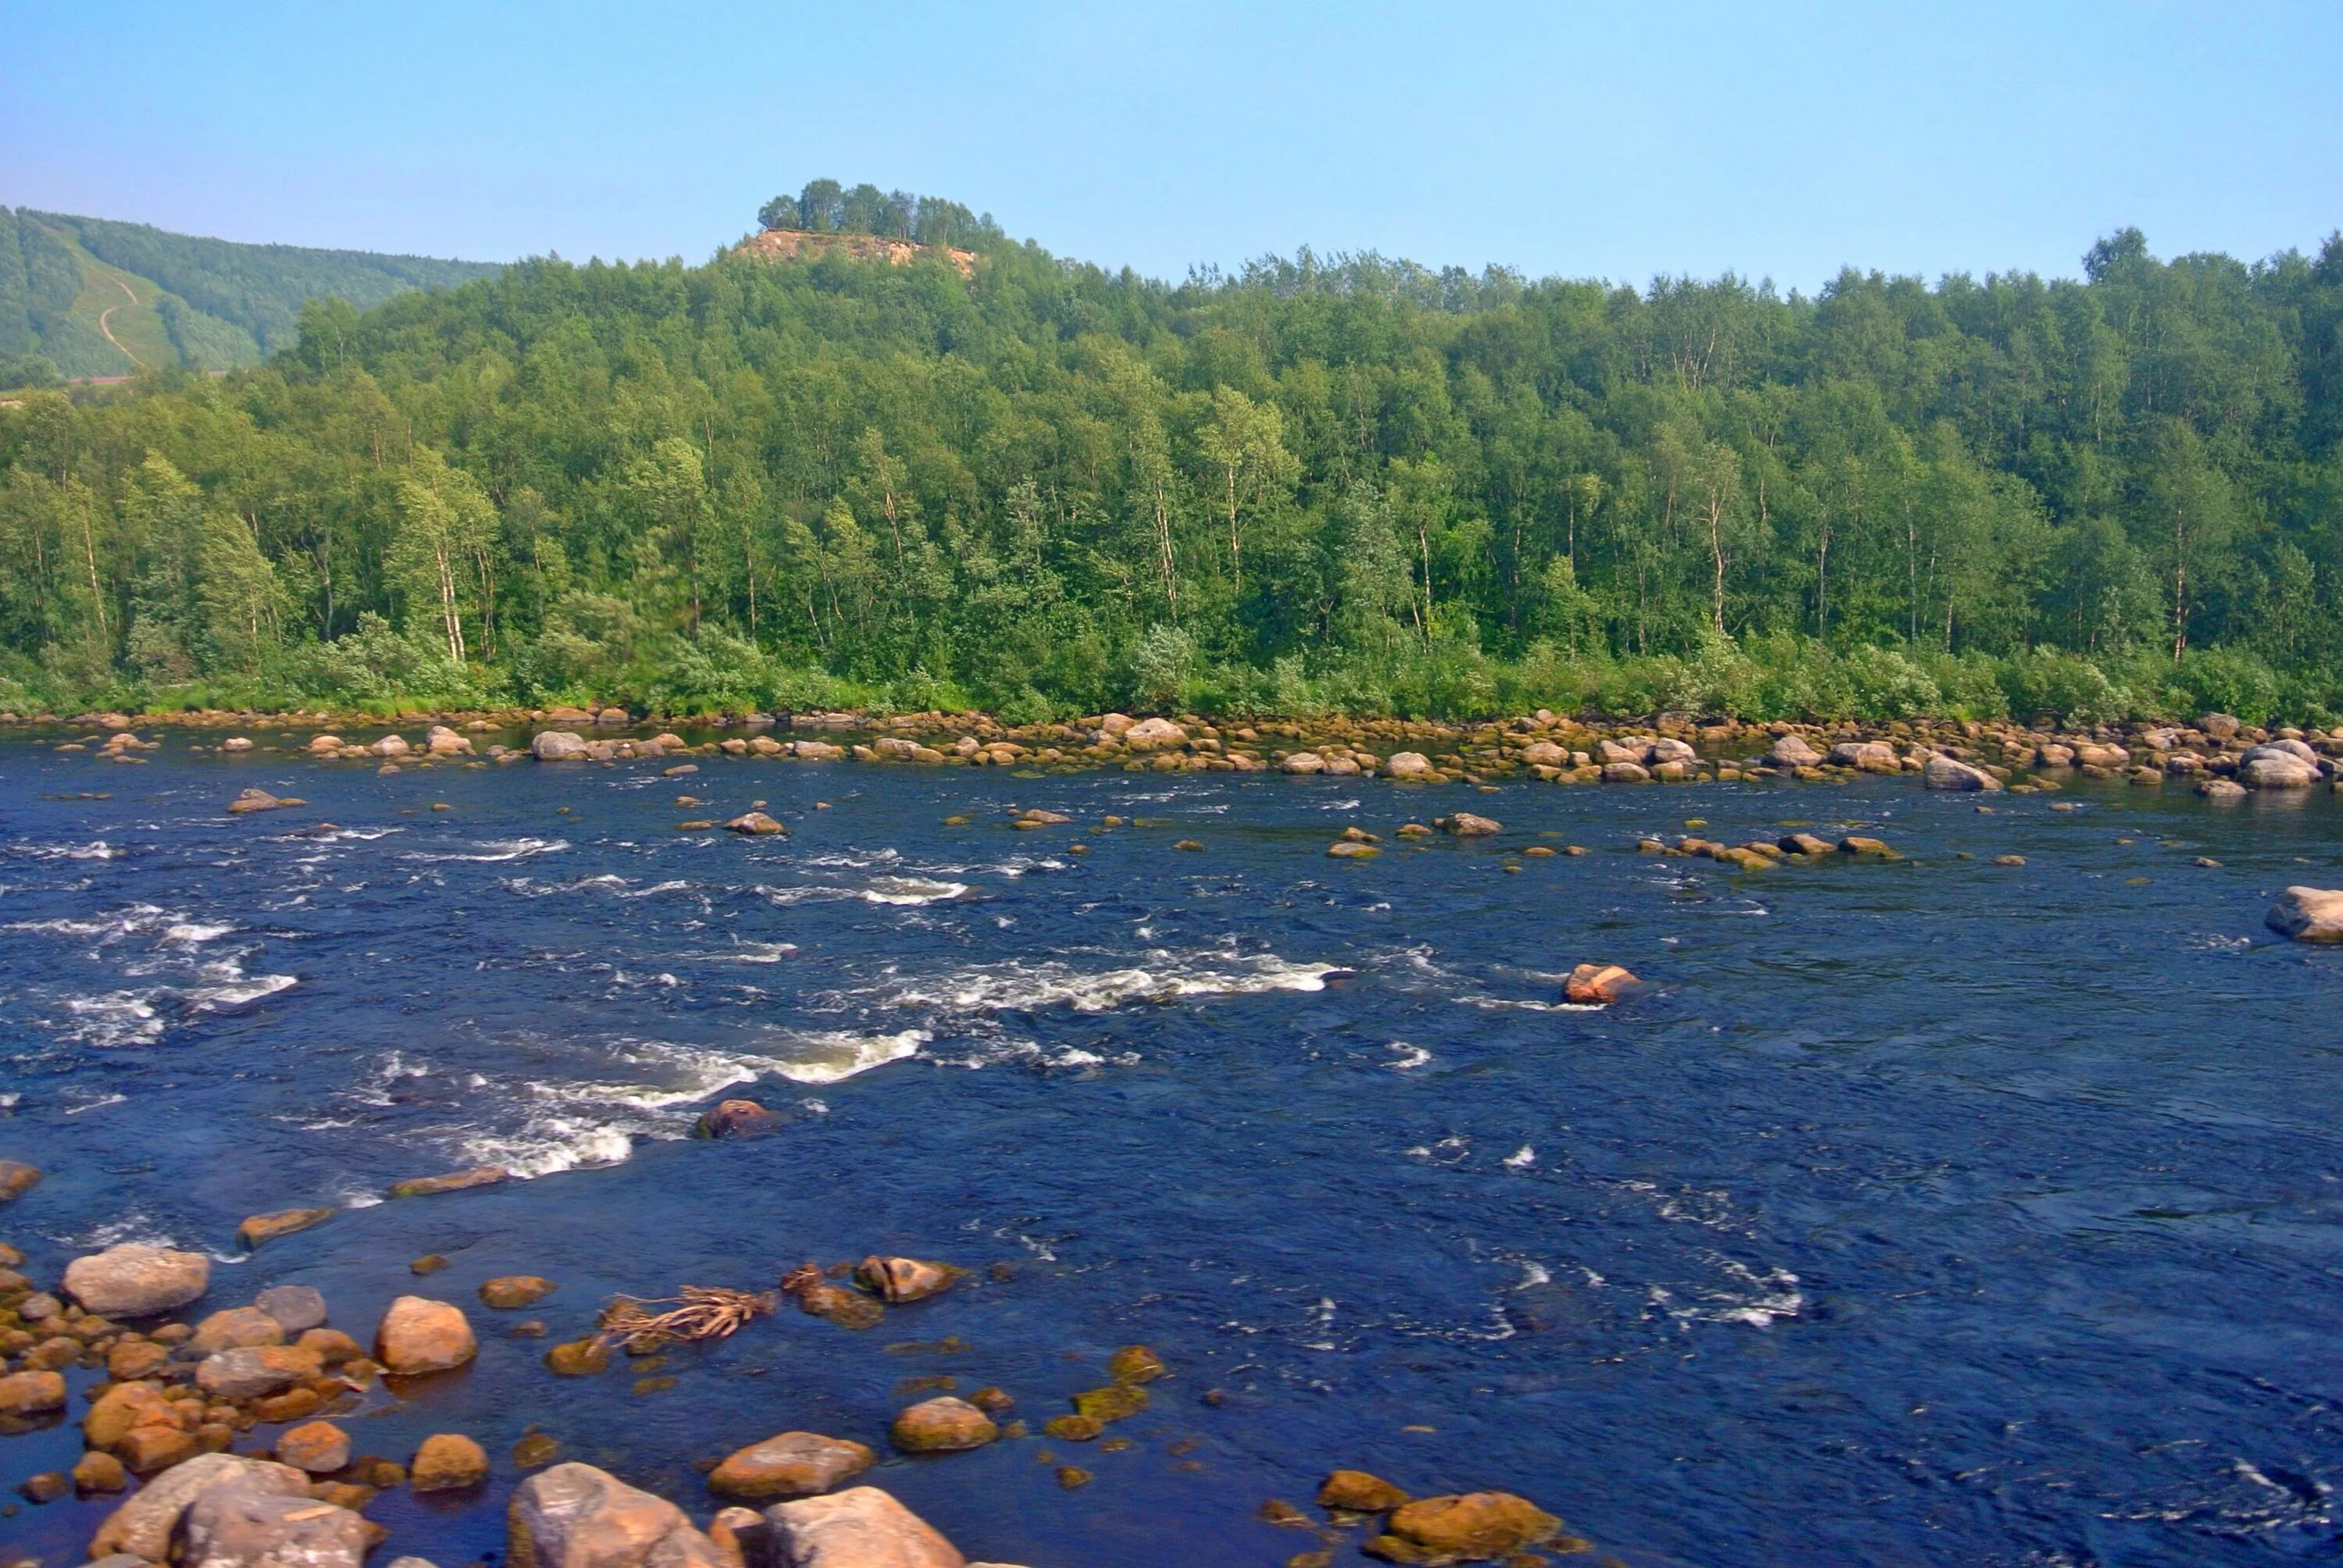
(1308, 485)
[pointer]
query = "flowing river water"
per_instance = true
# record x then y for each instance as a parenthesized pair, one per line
(1938, 1211)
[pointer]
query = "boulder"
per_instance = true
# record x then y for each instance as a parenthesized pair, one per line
(1465, 825)
(1407, 765)
(510, 1292)
(2277, 766)
(1635, 749)
(793, 1464)
(572, 1515)
(16, 1178)
(135, 1280)
(1598, 985)
(1943, 772)
(122, 1409)
(1544, 754)
(1151, 734)
(756, 824)
(239, 1524)
(252, 800)
(942, 1425)
(1135, 1364)
(1478, 1524)
(254, 1371)
(1303, 762)
(1860, 844)
(1792, 751)
(143, 1526)
(1357, 1492)
(2223, 791)
(2219, 726)
(390, 746)
(862, 1527)
(32, 1393)
(419, 1335)
(1667, 749)
(558, 745)
(235, 1329)
(2307, 914)
(316, 1446)
(1626, 773)
(737, 1119)
(261, 1228)
(299, 1308)
(448, 1462)
(899, 1280)
(1868, 756)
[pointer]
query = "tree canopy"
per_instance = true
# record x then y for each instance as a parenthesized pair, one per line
(1352, 483)
(825, 206)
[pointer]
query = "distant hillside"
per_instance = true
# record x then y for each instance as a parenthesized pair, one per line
(96, 298)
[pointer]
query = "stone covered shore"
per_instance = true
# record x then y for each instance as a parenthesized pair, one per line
(2216, 754)
(225, 1430)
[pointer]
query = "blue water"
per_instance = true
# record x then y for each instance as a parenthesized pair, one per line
(1934, 1212)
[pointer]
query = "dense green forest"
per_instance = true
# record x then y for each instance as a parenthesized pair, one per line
(1352, 484)
(826, 207)
(182, 300)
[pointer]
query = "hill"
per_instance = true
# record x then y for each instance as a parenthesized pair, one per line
(95, 298)
(1046, 487)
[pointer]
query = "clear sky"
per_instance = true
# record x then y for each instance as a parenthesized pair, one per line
(1618, 140)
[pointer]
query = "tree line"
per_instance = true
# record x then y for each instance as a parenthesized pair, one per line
(1311, 484)
(825, 206)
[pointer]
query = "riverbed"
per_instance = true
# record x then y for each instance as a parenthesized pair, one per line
(1925, 1212)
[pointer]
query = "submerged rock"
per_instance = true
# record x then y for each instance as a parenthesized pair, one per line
(448, 1462)
(16, 1178)
(576, 1516)
(2307, 914)
(136, 1281)
(863, 1527)
(792, 1464)
(261, 1228)
(1135, 1364)
(515, 1290)
(736, 1118)
(454, 1182)
(1478, 1524)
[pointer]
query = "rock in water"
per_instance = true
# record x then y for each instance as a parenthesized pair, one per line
(1792, 751)
(513, 1292)
(2307, 914)
(31, 1392)
(455, 1181)
(317, 1446)
(1951, 773)
(1465, 825)
(1151, 734)
(299, 1308)
(235, 1329)
(1478, 1524)
(448, 1462)
(860, 1528)
(1598, 985)
(256, 1372)
(558, 745)
(262, 1227)
(899, 1280)
(1407, 765)
(944, 1425)
(573, 1515)
(136, 1281)
(419, 1335)
(238, 1524)
(736, 1118)
(253, 800)
(143, 1526)
(16, 1178)
(1357, 1492)
(793, 1464)
(756, 824)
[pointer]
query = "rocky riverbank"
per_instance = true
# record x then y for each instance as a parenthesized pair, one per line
(2217, 755)
(227, 1431)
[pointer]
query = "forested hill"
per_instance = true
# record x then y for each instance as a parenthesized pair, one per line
(173, 298)
(1054, 488)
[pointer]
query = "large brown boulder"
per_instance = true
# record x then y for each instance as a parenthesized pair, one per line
(262, 1227)
(793, 1464)
(1792, 751)
(896, 1281)
(136, 1281)
(31, 1393)
(1478, 1525)
(420, 1335)
(1357, 1492)
(1942, 772)
(863, 1527)
(1465, 825)
(237, 1523)
(143, 1526)
(573, 1515)
(1598, 985)
(558, 745)
(1152, 734)
(16, 1178)
(235, 1329)
(736, 1118)
(318, 1447)
(754, 824)
(2309, 914)
(454, 1182)
(1407, 765)
(448, 1462)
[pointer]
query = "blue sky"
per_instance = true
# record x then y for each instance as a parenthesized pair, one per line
(1620, 141)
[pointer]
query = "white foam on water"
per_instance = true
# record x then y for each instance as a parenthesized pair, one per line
(747, 954)
(121, 1018)
(912, 890)
(1017, 985)
(1521, 1159)
(100, 1103)
(495, 849)
(834, 1056)
(242, 991)
(195, 931)
(99, 849)
(1410, 1056)
(803, 893)
(1746, 1297)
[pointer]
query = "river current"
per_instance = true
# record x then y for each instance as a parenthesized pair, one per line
(1938, 1211)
